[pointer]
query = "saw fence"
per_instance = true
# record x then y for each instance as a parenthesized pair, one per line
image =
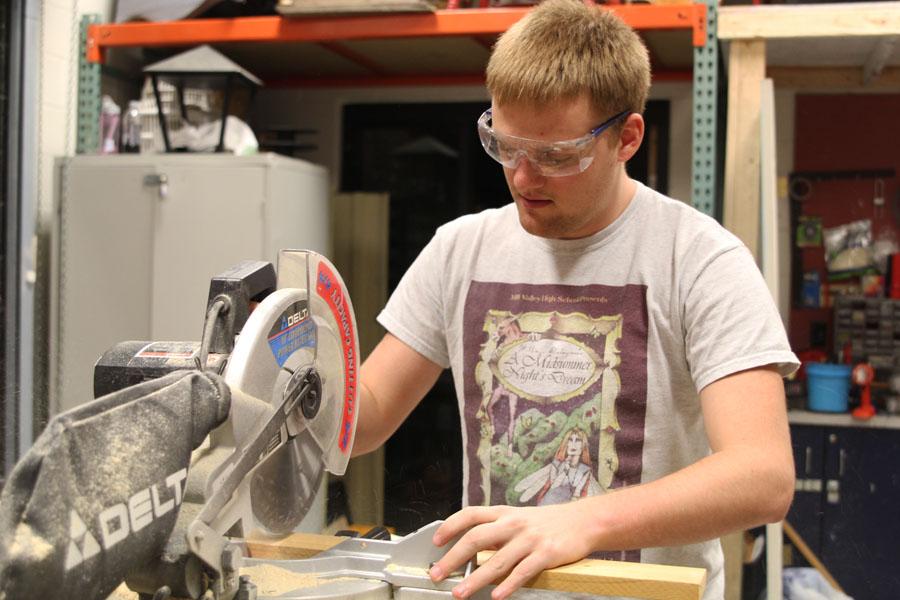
(598, 577)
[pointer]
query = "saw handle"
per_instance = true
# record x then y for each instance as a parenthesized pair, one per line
(246, 282)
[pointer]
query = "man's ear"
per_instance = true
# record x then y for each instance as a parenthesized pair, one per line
(630, 137)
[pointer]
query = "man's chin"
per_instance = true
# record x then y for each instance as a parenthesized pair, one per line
(535, 227)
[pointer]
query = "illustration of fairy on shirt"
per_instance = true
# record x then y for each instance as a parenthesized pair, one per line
(568, 477)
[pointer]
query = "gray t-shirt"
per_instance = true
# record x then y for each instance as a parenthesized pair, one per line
(578, 363)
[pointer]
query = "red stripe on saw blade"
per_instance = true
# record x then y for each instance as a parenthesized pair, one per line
(330, 290)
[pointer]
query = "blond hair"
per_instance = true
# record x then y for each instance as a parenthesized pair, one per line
(563, 451)
(565, 48)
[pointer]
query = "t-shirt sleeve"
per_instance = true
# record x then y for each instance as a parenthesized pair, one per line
(415, 312)
(731, 322)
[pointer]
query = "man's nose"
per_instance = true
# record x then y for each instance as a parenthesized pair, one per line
(525, 174)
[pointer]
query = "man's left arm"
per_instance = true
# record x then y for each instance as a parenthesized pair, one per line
(747, 480)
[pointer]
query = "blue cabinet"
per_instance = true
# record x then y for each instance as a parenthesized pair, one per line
(847, 504)
(807, 509)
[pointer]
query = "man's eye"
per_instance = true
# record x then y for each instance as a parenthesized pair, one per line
(505, 149)
(558, 159)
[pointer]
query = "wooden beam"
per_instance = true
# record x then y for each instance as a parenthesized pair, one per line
(877, 59)
(808, 21)
(618, 578)
(733, 553)
(294, 546)
(833, 78)
(360, 224)
(746, 70)
(810, 556)
(599, 577)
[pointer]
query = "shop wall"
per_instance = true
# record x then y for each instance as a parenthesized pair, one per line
(60, 48)
(321, 110)
(843, 132)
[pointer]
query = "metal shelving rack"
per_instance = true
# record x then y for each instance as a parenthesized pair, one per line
(331, 32)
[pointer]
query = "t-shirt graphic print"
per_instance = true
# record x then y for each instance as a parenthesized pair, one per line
(555, 383)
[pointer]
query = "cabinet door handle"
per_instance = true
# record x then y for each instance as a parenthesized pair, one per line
(161, 180)
(833, 491)
(842, 460)
(808, 460)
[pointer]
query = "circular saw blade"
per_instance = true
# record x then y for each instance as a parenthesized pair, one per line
(309, 324)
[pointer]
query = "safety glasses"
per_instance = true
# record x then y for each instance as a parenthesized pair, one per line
(550, 159)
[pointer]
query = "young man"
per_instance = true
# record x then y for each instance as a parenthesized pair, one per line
(616, 354)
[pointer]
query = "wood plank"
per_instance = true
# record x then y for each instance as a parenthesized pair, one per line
(733, 553)
(618, 578)
(360, 227)
(774, 560)
(833, 78)
(809, 20)
(294, 546)
(599, 577)
(332, 7)
(810, 556)
(878, 58)
(746, 69)
(769, 258)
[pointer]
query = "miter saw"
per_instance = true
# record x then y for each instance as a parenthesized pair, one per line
(191, 446)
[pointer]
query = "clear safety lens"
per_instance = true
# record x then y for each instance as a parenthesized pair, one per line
(554, 159)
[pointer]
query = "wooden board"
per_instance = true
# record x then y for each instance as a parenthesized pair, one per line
(746, 69)
(798, 21)
(360, 228)
(733, 552)
(810, 556)
(769, 258)
(332, 7)
(834, 78)
(599, 577)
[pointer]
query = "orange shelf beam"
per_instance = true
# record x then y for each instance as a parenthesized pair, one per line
(456, 22)
(418, 80)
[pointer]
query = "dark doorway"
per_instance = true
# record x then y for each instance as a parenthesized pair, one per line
(429, 159)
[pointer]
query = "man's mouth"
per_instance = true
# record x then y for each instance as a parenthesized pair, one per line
(534, 202)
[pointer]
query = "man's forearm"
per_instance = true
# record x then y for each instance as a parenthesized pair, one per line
(724, 492)
(369, 437)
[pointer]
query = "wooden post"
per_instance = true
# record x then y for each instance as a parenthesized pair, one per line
(733, 551)
(746, 70)
(360, 232)
(741, 210)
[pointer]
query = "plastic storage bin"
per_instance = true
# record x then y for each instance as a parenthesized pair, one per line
(828, 387)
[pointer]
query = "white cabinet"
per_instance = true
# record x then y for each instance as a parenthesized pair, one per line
(138, 237)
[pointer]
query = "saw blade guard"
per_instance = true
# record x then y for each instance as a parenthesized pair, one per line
(336, 351)
(307, 324)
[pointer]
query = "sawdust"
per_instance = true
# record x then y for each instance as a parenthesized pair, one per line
(395, 568)
(28, 545)
(274, 581)
(122, 593)
(123, 454)
(270, 580)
